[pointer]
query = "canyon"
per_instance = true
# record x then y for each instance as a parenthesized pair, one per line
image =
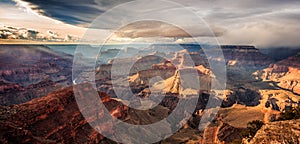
(31, 71)
(38, 103)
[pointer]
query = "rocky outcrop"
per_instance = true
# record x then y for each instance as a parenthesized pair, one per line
(285, 132)
(176, 83)
(292, 85)
(285, 74)
(164, 70)
(228, 133)
(245, 57)
(51, 119)
(12, 93)
(56, 118)
(242, 96)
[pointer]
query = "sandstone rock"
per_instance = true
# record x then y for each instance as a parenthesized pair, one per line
(285, 74)
(241, 95)
(245, 57)
(56, 118)
(278, 132)
(51, 119)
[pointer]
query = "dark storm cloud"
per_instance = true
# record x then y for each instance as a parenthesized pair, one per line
(263, 23)
(71, 11)
(83, 12)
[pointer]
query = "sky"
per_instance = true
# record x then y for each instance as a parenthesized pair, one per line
(262, 23)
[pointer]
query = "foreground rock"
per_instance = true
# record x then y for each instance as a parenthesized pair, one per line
(284, 132)
(51, 119)
(56, 118)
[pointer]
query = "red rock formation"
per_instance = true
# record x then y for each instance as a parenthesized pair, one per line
(278, 132)
(245, 57)
(54, 118)
(12, 93)
(285, 73)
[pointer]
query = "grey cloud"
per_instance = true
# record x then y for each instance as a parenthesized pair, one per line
(85, 11)
(160, 29)
(264, 23)
(263, 34)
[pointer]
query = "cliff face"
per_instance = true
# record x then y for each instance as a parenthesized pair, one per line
(245, 57)
(11, 93)
(33, 71)
(164, 70)
(242, 96)
(30, 64)
(51, 119)
(284, 132)
(56, 118)
(285, 73)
